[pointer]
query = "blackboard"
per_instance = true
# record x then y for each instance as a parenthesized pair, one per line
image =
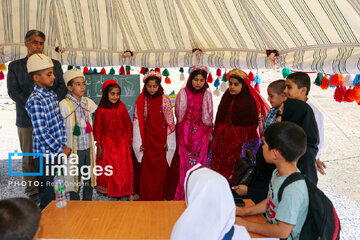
(130, 88)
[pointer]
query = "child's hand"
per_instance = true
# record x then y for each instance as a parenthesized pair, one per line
(166, 147)
(66, 150)
(99, 152)
(240, 189)
(240, 211)
(142, 148)
(320, 166)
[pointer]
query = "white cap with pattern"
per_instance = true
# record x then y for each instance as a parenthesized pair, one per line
(71, 74)
(37, 62)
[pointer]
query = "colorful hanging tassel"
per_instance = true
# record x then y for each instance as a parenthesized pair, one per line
(85, 70)
(2, 76)
(167, 80)
(88, 128)
(210, 78)
(189, 70)
(122, 70)
(216, 92)
(217, 83)
(142, 70)
(3, 67)
(78, 67)
(251, 76)
(337, 80)
(90, 70)
(339, 93)
(348, 80)
(166, 73)
(112, 71)
(257, 88)
(356, 80)
(103, 71)
(257, 79)
(128, 69)
(218, 72)
(286, 72)
(76, 131)
(356, 92)
(182, 76)
(157, 70)
(318, 79)
(70, 67)
(349, 95)
(324, 82)
(224, 79)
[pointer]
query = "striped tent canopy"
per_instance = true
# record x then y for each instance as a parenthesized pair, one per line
(309, 35)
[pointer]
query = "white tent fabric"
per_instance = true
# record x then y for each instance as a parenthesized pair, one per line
(310, 35)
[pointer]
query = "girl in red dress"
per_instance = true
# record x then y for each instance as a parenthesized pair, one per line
(154, 136)
(113, 136)
(238, 123)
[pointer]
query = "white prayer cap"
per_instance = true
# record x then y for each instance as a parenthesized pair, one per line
(37, 62)
(71, 74)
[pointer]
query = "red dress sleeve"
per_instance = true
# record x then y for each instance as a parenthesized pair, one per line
(127, 123)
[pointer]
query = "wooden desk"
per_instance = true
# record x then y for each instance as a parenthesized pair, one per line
(114, 220)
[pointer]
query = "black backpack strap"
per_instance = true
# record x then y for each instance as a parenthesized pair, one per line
(290, 179)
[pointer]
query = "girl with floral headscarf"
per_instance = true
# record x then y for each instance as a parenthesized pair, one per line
(154, 136)
(113, 136)
(194, 113)
(238, 123)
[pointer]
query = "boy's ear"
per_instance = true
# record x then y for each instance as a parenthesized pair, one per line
(69, 88)
(275, 154)
(36, 78)
(303, 91)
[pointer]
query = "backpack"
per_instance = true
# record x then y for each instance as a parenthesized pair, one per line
(244, 170)
(322, 221)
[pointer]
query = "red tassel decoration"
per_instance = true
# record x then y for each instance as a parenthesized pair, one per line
(85, 70)
(157, 70)
(356, 91)
(228, 75)
(339, 94)
(324, 82)
(210, 78)
(122, 70)
(128, 72)
(251, 76)
(348, 96)
(218, 72)
(167, 80)
(2, 77)
(103, 71)
(337, 80)
(88, 128)
(142, 71)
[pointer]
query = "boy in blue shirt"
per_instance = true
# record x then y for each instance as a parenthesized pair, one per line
(284, 144)
(47, 121)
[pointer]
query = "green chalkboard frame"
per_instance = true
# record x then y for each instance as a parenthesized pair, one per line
(129, 84)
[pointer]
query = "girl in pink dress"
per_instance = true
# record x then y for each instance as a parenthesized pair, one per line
(194, 114)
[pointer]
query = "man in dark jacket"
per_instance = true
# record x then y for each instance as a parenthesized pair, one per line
(20, 86)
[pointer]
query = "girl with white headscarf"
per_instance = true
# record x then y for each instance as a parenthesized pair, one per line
(210, 212)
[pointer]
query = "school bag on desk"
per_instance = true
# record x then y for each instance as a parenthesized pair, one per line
(322, 222)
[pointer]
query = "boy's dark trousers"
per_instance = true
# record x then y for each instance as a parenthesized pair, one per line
(84, 160)
(46, 188)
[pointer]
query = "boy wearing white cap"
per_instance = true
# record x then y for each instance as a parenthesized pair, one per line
(77, 110)
(48, 124)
